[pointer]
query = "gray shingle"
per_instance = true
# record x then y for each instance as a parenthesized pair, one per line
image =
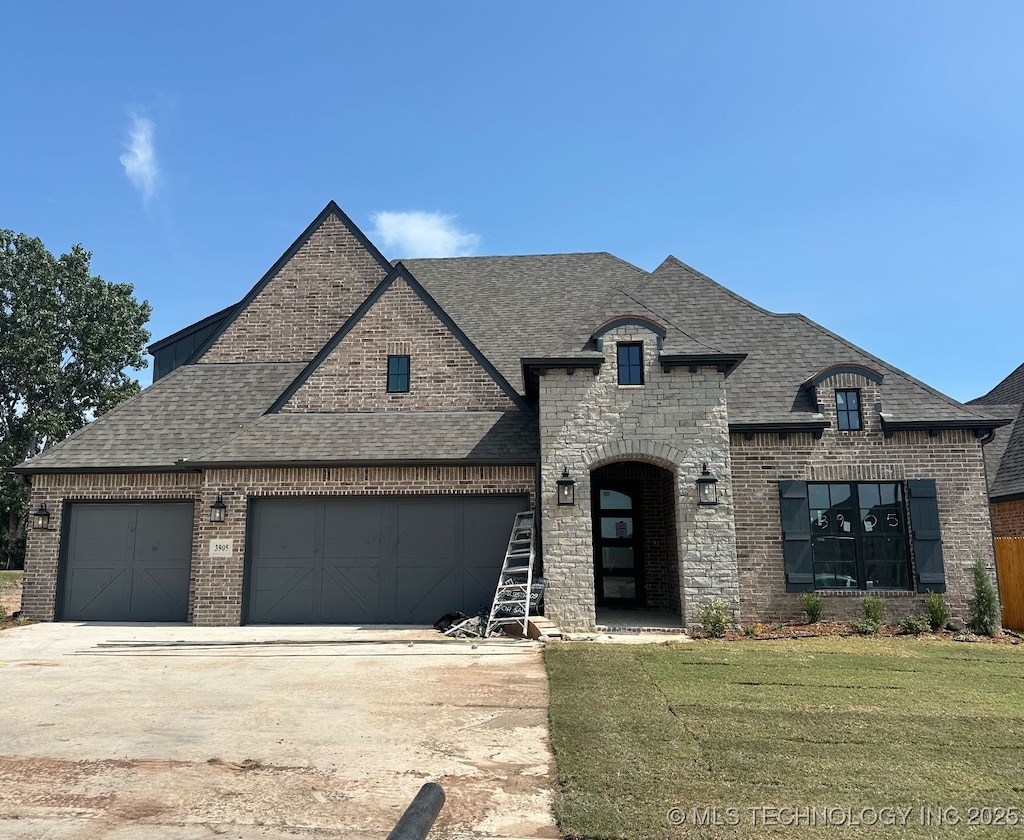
(404, 436)
(182, 415)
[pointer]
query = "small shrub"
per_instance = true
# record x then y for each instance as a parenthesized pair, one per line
(865, 626)
(873, 608)
(984, 606)
(811, 604)
(714, 617)
(750, 631)
(938, 612)
(915, 625)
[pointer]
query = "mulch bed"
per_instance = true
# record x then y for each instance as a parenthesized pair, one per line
(802, 630)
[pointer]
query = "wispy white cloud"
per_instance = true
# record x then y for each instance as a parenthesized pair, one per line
(139, 162)
(419, 234)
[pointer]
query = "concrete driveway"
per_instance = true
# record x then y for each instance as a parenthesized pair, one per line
(251, 733)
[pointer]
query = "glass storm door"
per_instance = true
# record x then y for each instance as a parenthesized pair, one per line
(617, 562)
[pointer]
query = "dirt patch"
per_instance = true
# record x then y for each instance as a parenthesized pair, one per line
(10, 598)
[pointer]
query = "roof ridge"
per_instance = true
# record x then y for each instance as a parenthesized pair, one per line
(701, 276)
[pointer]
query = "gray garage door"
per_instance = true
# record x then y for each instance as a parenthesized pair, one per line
(127, 562)
(374, 560)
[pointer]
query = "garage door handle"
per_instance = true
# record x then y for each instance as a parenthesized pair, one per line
(415, 823)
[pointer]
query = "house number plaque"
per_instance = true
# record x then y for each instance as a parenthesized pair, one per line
(221, 548)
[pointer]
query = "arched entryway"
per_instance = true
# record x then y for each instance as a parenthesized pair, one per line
(636, 557)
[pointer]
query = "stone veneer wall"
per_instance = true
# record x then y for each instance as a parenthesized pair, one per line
(215, 597)
(677, 421)
(952, 458)
(443, 376)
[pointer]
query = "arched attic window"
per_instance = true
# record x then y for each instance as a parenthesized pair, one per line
(849, 405)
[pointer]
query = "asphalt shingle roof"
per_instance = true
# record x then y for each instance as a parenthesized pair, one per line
(406, 436)
(188, 411)
(510, 308)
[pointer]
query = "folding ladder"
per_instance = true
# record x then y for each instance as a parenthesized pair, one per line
(512, 597)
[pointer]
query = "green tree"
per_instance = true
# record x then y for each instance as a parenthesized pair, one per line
(67, 342)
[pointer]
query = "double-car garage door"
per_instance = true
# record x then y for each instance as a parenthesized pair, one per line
(372, 560)
(343, 560)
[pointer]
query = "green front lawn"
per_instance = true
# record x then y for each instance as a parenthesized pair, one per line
(10, 578)
(792, 738)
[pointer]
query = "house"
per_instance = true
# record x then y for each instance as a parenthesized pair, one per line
(350, 443)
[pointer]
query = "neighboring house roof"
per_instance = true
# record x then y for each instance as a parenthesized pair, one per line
(1004, 455)
(515, 316)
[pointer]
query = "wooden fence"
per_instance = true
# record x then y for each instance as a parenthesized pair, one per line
(1010, 566)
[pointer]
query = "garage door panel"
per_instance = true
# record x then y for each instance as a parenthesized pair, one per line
(106, 533)
(96, 594)
(353, 530)
(127, 562)
(425, 593)
(350, 594)
(284, 530)
(158, 594)
(284, 593)
(164, 534)
(486, 527)
(426, 529)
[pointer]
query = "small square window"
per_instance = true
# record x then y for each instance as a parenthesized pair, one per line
(398, 374)
(848, 410)
(631, 364)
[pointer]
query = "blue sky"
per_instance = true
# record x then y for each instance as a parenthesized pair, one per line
(861, 162)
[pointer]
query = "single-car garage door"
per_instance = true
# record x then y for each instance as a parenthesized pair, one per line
(374, 560)
(127, 562)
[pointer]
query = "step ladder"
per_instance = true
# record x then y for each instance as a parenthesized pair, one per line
(512, 598)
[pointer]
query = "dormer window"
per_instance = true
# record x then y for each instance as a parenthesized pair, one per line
(848, 410)
(631, 363)
(398, 374)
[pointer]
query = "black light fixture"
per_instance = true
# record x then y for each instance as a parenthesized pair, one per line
(218, 510)
(707, 487)
(41, 519)
(566, 489)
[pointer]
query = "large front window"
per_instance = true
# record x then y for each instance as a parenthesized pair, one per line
(859, 536)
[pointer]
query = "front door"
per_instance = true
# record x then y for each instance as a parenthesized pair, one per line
(618, 565)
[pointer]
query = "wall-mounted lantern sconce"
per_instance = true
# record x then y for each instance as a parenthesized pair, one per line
(218, 510)
(566, 489)
(707, 487)
(41, 519)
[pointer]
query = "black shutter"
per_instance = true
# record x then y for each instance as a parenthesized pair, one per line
(924, 524)
(796, 536)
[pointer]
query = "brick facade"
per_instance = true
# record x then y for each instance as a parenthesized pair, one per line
(676, 421)
(443, 374)
(215, 596)
(952, 458)
(305, 304)
(1008, 518)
